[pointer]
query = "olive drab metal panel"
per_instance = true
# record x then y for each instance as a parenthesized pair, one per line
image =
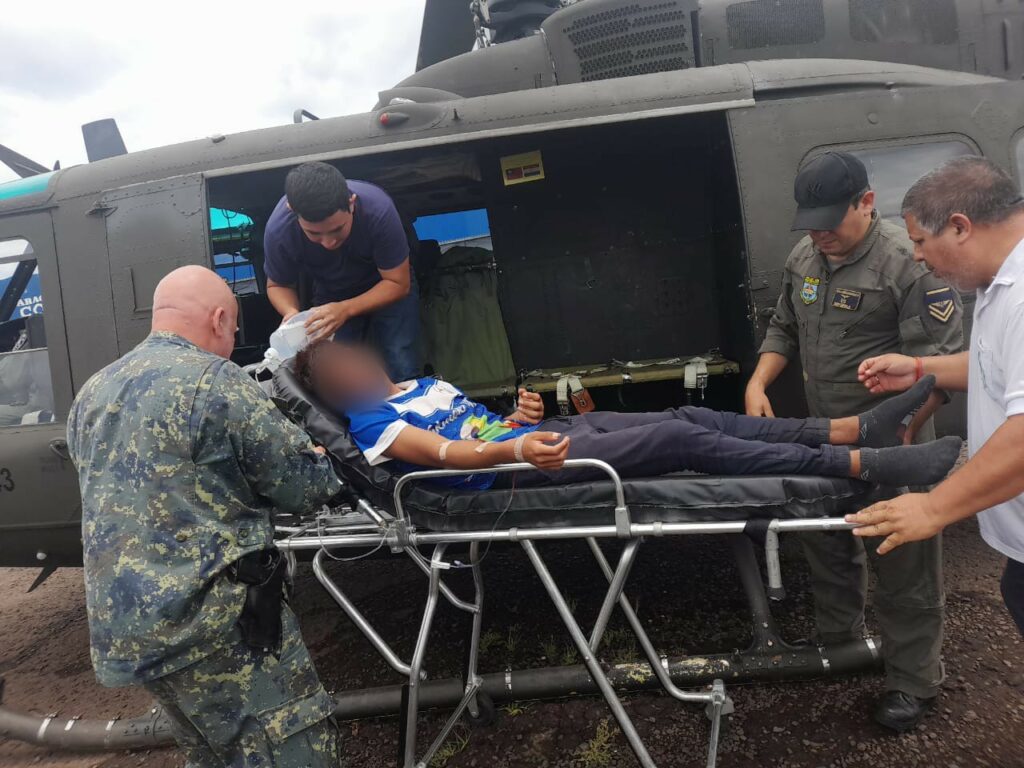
(38, 484)
(151, 229)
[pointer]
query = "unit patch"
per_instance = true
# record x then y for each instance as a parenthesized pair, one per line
(846, 299)
(809, 293)
(941, 303)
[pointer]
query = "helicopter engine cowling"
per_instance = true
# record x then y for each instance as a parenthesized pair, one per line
(586, 41)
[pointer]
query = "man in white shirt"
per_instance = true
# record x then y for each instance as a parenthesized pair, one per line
(966, 220)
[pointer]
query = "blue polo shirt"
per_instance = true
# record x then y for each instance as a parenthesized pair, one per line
(377, 241)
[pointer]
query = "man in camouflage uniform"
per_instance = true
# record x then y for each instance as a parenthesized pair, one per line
(851, 290)
(181, 459)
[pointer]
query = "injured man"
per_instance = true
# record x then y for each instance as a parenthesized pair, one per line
(426, 423)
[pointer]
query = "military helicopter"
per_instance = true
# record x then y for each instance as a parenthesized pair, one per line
(610, 182)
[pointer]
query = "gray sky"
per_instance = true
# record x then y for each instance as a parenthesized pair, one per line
(169, 72)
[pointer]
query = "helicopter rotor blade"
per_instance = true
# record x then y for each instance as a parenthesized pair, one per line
(103, 140)
(20, 164)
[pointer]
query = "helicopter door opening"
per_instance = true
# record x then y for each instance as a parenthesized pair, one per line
(612, 250)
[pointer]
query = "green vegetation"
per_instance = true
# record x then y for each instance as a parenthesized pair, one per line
(597, 752)
(457, 741)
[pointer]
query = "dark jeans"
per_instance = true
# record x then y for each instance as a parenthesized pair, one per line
(394, 331)
(696, 439)
(1012, 586)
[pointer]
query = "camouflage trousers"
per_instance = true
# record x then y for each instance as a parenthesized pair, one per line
(241, 708)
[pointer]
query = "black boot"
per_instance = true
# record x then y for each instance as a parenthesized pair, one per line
(901, 711)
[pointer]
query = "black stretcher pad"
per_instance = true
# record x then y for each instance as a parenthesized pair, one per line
(679, 498)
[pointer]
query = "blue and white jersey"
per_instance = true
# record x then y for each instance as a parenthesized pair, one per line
(435, 406)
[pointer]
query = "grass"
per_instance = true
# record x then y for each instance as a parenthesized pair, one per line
(513, 709)
(457, 741)
(489, 640)
(512, 641)
(597, 752)
(620, 645)
(570, 656)
(550, 650)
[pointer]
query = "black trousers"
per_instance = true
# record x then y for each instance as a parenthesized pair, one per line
(1012, 586)
(694, 439)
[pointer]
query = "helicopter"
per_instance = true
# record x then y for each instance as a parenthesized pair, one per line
(630, 160)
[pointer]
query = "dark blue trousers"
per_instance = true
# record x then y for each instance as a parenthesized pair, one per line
(698, 440)
(394, 331)
(1013, 591)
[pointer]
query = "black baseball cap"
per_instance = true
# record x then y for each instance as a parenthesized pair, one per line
(824, 188)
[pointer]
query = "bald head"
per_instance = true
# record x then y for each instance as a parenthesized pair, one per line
(195, 303)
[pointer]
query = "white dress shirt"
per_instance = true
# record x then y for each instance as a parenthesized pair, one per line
(995, 389)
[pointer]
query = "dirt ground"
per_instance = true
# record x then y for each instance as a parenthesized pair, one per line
(687, 592)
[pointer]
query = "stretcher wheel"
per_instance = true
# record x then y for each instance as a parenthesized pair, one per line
(486, 712)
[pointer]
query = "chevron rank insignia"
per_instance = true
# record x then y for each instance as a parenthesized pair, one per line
(941, 303)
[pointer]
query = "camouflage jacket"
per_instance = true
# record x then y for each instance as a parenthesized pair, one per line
(181, 458)
(878, 300)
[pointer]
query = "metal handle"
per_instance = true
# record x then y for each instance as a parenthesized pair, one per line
(60, 447)
(621, 512)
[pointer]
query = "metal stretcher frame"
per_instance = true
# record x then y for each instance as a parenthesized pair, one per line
(401, 536)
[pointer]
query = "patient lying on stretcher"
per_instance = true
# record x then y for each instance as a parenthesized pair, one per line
(428, 423)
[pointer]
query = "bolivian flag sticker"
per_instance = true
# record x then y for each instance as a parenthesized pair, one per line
(809, 293)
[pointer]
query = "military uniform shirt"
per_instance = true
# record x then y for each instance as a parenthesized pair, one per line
(878, 300)
(181, 458)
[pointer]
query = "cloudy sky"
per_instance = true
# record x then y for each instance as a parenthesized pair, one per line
(183, 70)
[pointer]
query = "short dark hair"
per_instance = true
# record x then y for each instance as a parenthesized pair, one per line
(306, 362)
(316, 191)
(972, 186)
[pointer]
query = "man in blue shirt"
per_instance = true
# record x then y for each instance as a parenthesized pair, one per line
(348, 237)
(429, 423)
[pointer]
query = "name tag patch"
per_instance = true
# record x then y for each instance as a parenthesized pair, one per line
(809, 293)
(846, 299)
(940, 303)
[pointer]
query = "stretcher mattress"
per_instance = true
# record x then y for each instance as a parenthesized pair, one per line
(681, 497)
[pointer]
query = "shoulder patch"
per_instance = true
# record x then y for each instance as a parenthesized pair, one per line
(940, 303)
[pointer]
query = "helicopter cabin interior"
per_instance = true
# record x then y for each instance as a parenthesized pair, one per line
(612, 252)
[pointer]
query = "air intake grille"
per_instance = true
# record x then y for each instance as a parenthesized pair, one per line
(631, 39)
(767, 23)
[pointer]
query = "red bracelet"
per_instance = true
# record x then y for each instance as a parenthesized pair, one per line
(918, 369)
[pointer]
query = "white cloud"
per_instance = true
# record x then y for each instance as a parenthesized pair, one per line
(170, 72)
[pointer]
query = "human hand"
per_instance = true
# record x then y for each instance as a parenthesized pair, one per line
(320, 449)
(910, 517)
(756, 402)
(531, 408)
(888, 373)
(537, 451)
(325, 320)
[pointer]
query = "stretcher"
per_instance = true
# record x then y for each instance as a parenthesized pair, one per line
(408, 515)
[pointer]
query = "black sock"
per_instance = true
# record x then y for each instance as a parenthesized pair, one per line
(884, 425)
(902, 465)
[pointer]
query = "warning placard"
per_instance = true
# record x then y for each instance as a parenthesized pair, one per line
(519, 169)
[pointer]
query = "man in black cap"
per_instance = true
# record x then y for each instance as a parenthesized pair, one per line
(851, 290)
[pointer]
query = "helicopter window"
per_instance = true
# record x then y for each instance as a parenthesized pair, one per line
(892, 170)
(232, 235)
(916, 22)
(26, 391)
(766, 23)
